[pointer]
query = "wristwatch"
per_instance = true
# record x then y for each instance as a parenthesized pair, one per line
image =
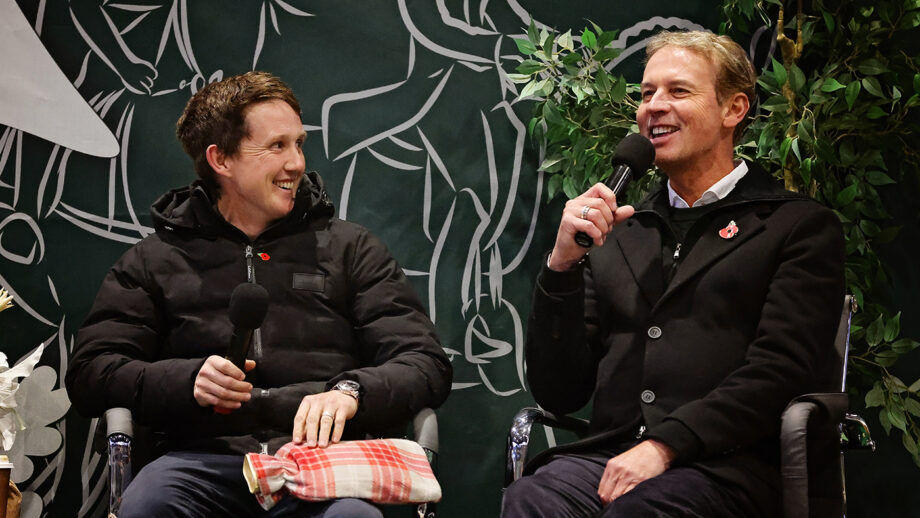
(349, 387)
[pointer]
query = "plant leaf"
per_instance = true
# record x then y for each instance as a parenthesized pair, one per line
(884, 421)
(551, 113)
(779, 71)
(553, 186)
(619, 90)
(878, 178)
(876, 396)
(893, 326)
(876, 113)
(606, 37)
(828, 21)
(532, 34)
(895, 385)
(886, 358)
(871, 67)
(872, 86)
(525, 47)
(896, 416)
(914, 387)
(565, 41)
(904, 346)
(912, 406)
(531, 88)
(831, 85)
(588, 39)
(607, 54)
(876, 328)
(851, 93)
(551, 164)
(529, 66)
(871, 229)
(796, 79)
(519, 78)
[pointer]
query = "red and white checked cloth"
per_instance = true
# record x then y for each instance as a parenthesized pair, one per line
(385, 471)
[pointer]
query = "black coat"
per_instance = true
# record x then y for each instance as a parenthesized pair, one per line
(708, 361)
(339, 308)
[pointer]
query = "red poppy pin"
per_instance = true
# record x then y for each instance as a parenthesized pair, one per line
(263, 256)
(730, 231)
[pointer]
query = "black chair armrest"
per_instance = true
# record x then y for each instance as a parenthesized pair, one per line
(519, 436)
(811, 422)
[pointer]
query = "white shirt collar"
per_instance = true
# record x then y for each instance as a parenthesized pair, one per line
(714, 193)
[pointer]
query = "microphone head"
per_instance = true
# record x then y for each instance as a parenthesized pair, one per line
(636, 152)
(248, 305)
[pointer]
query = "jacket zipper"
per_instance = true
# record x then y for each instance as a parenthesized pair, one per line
(256, 334)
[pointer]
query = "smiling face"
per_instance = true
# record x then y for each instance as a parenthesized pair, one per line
(259, 181)
(681, 115)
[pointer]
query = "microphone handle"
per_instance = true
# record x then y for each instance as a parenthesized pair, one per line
(236, 353)
(239, 347)
(617, 182)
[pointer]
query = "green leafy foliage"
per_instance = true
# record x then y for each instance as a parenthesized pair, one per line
(581, 111)
(849, 130)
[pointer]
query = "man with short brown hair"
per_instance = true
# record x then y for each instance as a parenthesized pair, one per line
(696, 318)
(345, 349)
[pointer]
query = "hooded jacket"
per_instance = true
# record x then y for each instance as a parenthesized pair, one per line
(707, 362)
(339, 308)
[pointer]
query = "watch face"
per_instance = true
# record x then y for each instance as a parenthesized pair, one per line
(352, 388)
(348, 385)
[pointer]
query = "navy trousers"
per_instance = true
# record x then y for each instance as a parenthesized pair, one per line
(566, 487)
(204, 485)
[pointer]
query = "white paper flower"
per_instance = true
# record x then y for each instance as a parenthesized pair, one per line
(39, 405)
(10, 421)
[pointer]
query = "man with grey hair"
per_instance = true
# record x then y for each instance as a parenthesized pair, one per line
(698, 316)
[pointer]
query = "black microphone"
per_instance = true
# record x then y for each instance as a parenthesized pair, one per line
(248, 305)
(633, 153)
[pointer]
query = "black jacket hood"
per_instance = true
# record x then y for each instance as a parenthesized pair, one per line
(193, 206)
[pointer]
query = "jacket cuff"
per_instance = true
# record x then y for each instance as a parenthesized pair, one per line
(681, 439)
(560, 284)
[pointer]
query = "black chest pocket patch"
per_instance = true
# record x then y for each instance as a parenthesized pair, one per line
(309, 281)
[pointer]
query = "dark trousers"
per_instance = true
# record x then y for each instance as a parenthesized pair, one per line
(566, 487)
(199, 485)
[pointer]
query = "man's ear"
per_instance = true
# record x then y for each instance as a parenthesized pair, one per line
(735, 109)
(218, 160)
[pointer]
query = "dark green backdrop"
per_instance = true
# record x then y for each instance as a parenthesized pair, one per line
(418, 136)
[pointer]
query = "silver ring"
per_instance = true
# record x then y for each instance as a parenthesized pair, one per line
(328, 414)
(584, 212)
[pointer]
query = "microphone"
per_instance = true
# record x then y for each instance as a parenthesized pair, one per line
(634, 154)
(248, 305)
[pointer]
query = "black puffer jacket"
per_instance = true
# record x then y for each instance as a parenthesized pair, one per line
(340, 308)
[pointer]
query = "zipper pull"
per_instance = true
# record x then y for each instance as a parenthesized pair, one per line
(677, 252)
(249, 251)
(641, 432)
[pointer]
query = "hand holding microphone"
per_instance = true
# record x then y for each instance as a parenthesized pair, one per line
(588, 218)
(219, 382)
(633, 155)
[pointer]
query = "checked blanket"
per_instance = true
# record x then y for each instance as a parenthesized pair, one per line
(385, 471)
